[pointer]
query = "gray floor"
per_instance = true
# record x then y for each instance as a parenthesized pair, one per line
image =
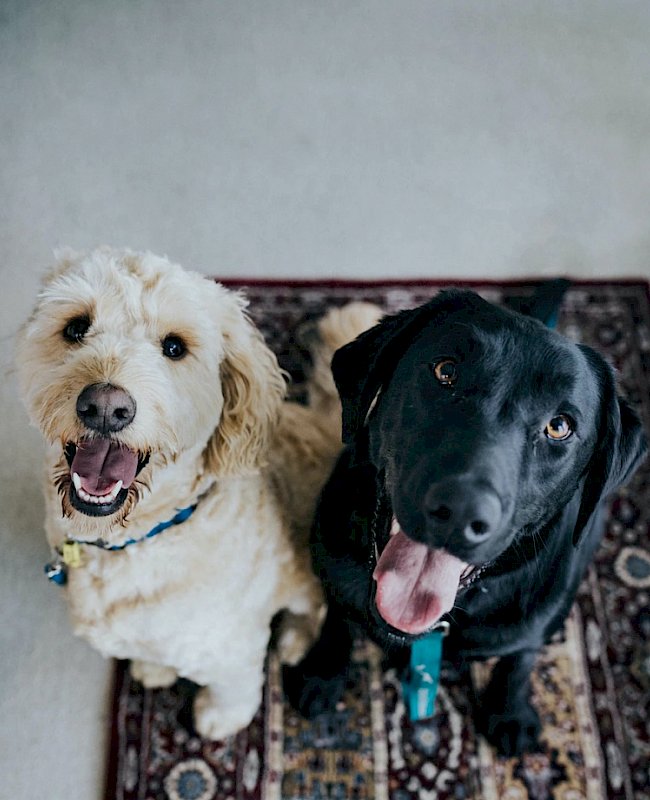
(306, 139)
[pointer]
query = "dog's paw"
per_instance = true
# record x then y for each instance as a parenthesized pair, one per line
(312, 695)
(215, 720)
(152, 676)
(292, 645)
(511, 732)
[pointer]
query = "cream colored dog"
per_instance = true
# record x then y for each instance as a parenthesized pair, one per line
(179, 485)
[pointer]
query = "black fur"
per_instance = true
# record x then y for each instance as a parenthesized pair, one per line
(408, 435)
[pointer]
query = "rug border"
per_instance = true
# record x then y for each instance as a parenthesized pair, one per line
(111, 770)
(354, 283)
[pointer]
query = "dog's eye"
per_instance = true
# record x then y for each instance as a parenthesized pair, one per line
(76, 329)
(446, 372)
(559, 428)
(173, 347)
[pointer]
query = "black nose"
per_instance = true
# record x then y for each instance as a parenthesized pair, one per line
(462, 507)
(105, 408)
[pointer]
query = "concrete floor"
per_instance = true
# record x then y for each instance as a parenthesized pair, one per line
(301, 139)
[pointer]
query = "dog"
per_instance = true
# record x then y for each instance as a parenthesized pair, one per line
(179, 485)
(480, 447)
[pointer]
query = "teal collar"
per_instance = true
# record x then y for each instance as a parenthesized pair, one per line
(420, 686)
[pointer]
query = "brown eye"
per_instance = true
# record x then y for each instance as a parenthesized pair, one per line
(173, 347)
(559, 428)
(76, 329)
(446, 372)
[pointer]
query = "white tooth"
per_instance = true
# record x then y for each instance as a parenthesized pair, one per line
(104, 499)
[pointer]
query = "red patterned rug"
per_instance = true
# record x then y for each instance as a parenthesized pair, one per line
(592, 686)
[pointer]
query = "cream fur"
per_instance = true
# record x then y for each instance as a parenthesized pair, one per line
(196, 601)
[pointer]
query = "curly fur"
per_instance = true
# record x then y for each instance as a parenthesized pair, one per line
(212, 427)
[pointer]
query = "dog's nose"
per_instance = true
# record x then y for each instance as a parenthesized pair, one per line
(105, 408)
(462, 507)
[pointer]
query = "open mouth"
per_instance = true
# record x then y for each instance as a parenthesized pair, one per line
(101, 473)
(417, 585)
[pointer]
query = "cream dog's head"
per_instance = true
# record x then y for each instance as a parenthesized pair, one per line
(127, 362)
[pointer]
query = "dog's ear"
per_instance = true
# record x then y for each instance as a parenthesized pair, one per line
(253, 389)
(620, 448)
(544, 303)
(363, 366)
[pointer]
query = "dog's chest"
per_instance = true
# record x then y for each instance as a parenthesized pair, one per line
(203, 578)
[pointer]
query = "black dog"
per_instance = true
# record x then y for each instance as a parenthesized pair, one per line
(480, 448)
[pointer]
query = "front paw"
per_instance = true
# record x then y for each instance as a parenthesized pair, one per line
(215, 719)
(312, 694)
(152, 676)
(511, 731)
(293, 643)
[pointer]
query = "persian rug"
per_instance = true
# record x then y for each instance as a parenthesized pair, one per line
(591, 685)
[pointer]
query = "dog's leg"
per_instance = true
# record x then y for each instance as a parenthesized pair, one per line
(152, 676)
(316, 684)
(221, 711)
(295, 635)
(230, 695)
(506, 716)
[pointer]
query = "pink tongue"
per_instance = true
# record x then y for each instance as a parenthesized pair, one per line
(415, 584)
(101, 463)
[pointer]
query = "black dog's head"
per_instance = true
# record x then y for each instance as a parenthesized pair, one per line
(484, 424)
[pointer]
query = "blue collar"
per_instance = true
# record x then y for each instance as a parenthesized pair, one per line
(181, 516)
(69, 554)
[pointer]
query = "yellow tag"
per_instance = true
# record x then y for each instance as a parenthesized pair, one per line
(72, 555)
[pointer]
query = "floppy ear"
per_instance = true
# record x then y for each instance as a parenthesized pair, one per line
(544, 303)
(621, 445)
(363, 366)
(253, 389)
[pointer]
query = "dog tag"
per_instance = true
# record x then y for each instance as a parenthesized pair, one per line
(72, 554)
(421, 686)
(57, 573)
